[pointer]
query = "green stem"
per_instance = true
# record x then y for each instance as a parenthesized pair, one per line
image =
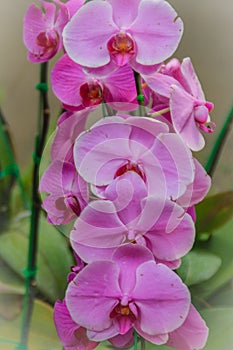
(143, 344)
(40, 139)
(140, 96)
(135, 344)
(219, 143)
(13, 167)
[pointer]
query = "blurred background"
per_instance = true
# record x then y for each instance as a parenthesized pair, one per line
(207, 40)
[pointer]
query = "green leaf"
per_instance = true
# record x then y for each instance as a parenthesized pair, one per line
(54, 257)
(220, 323)
(198, 266)
(214, 211)
(42, 335)
(10, 283)
(224, 297)
(220, 244)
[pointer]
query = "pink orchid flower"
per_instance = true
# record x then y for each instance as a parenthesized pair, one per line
(128, 215)
(116, 145)
(68, 192)
(178, 84)
(143, 37)
(43, 30)
(109, 298)
(76, 88)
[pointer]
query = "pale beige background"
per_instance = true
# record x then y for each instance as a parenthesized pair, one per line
(208, 40)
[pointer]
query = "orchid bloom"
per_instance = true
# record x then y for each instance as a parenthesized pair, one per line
(43, 30)
(130, 216)
(68, 192)
(77, 88)
(178, 87)
(109, 298)
(116, 145)
(143, 37)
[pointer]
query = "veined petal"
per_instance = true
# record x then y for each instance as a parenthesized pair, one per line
(85, 36)
(192, 79)
(93, 294)
(98, 226)
(121, 84)
(67, 77)
(129, 257)
(157, 31)
(191, 335)
(71, 334)
(124, 11)
(182, 114)
(159, 291)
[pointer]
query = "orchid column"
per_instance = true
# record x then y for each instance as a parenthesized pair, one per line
(129, 184)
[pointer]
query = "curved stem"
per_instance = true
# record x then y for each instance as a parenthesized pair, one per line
(30, 272)
(219, 143)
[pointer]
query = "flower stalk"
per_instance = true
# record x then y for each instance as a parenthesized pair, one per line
(40, 139)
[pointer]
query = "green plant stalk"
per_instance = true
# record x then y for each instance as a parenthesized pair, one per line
(219, 143)
(143, 343)
(30, 271)
(13, 168)
(140, 96)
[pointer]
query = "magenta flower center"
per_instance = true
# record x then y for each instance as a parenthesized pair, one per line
(129, 166)
(121, 47)
(72, 202)
(49, 42)
(91, 93)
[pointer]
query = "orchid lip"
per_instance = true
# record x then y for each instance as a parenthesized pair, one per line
(130, 166)
(121, 47)
(91, 93)
(72, 202)
(49, 42)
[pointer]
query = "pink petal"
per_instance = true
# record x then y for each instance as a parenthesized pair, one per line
(198, 189)
(129, 257)
(104, 334)
(157, 31)
(160, 83)
(89, 254)
(192, 79)
(93, 294)
(98, 226)
(121, 14)
(157, 339)
(85, 36)
(71, 334)
(123, 340)
(171, 162)
(51, 181)
(182, 113)
(191, 335)
(70, 125)
(58, 213)
(159, 291)
(121, 85)
(73, 6)
(66, 78)
(173, 233)
(126, 192)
